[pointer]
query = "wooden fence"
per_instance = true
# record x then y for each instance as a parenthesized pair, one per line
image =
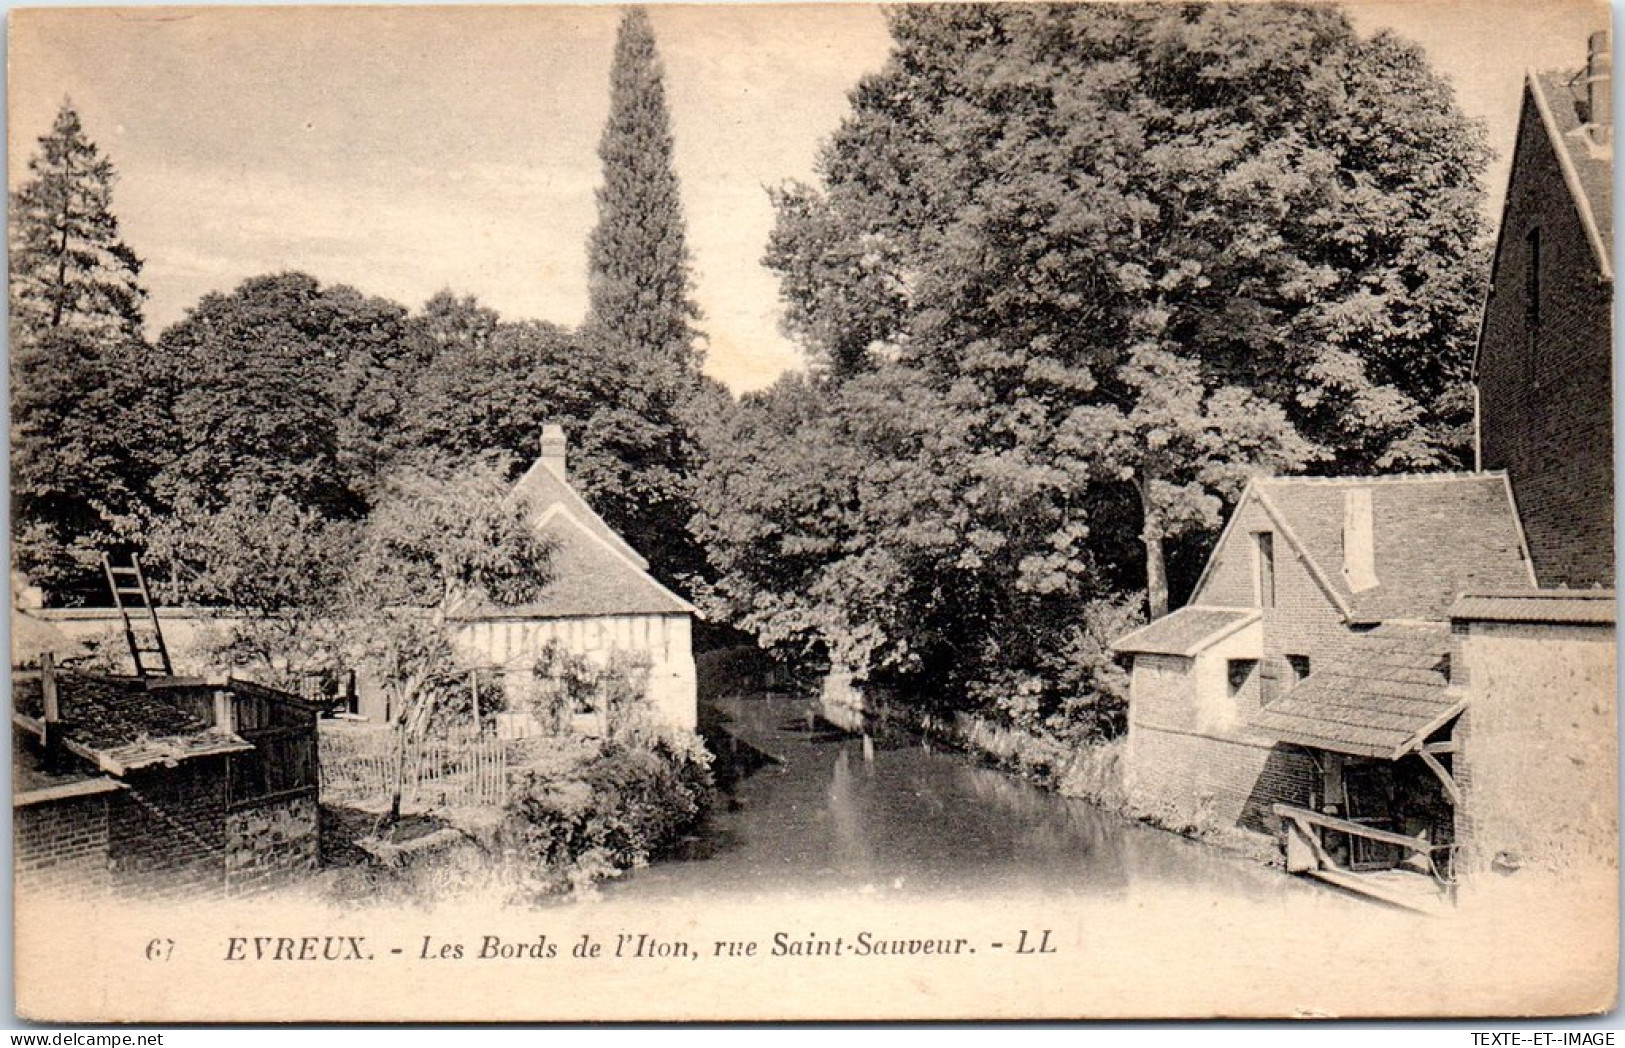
(359, 763)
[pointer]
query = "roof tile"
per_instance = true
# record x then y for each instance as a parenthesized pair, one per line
(1184, 632)
(1367, 700)
(1435, 535)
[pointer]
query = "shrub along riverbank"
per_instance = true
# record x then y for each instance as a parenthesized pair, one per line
(580, 810)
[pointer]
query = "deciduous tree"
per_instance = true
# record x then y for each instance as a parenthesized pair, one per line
(281, 387)
(1239, 236)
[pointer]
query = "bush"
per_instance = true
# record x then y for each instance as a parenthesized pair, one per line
(594, 807)
(1076, 692)
(555, 685)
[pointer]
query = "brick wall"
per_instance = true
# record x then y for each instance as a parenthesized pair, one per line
(168, 831)
(1184, 776)
(272, 843)
(60, 847)
(1209, 783)
(1182, 771)
(1545, 402)
(1303, 621)
(1536, 756)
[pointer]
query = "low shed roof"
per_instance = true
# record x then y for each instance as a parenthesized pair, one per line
(1562, 607)
(124, 723)
(1186, 632)
(1381, 695)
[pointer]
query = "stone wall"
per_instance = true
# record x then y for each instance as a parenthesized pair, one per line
(1536, 756)
(272, 843)
(1188, 778)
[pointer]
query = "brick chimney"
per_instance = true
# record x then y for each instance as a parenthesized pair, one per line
(1599, 86)
(1359, 541)
(553, 450)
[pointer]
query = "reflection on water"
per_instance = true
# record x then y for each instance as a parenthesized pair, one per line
(806, 811)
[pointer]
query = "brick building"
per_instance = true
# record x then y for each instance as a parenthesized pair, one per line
(1368, 666)
(161, 787)
(1543, 370)
(1311, 666)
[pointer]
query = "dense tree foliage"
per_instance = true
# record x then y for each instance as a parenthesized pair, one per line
(277, 388)
(1054, 208)
(78, 466)
(637, 442)
(1071, 273)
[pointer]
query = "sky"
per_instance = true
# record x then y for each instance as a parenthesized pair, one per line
(408, 150)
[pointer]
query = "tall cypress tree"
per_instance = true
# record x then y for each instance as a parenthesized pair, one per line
(640, 285)
(78, 459)
(638, 449)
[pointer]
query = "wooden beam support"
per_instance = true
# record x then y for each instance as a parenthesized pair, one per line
(1448, 746)
(1445, 780)
(1358, 829)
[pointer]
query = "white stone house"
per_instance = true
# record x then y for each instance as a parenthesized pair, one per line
(600, 601)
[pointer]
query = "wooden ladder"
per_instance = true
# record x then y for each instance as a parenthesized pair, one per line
(130, 583)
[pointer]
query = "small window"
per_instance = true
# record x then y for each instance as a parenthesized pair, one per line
(1532, 304)
(1531, 279)
(1300, 666)
(1264, 563)
(1240, 672)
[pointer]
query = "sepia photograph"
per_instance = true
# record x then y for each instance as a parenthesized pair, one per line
(824, 512)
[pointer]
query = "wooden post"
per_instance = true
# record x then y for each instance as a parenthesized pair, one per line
(47, 670)
(50, 724)
(474, 696)
(223, 718)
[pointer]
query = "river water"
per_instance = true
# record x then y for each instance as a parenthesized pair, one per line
(814, 808)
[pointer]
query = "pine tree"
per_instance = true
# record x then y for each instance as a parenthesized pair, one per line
(79, 464)
(638, 258)
(69, 269)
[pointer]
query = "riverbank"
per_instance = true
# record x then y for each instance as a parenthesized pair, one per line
(1087, 771)
(907, 815)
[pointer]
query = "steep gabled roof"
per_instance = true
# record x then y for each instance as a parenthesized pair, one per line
(1380, 695)
(594, 572)
(1436, 536)
(544, 491)
(1587, 162)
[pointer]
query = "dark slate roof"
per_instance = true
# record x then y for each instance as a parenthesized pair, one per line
(1379, 696)
(123, 723)
(1588, 164)
(1577, 607)
(1436, 536)
(594, 572)
(1185, 632)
